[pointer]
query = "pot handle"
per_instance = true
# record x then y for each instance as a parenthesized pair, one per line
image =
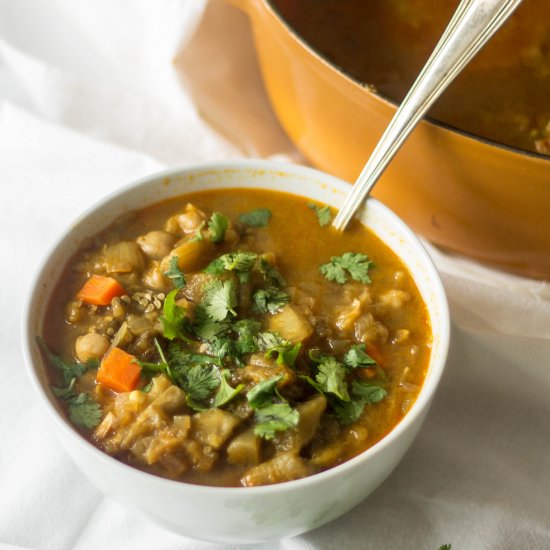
(244, 5)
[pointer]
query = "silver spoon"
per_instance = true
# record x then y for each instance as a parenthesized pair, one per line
(473, 23)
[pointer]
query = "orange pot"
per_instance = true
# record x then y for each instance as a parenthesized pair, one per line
(465, 194)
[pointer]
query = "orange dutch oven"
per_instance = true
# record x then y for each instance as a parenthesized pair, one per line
(463, 193)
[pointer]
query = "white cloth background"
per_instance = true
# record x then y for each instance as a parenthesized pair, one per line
(96, 93)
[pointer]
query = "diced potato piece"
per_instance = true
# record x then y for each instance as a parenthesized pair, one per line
(123, 257)
(244, 448)
(283, 467)
(214, 427)
(310, 414)
(170, 400)
(192, 255)
(291, 324)
(194, 289)
(351, 441)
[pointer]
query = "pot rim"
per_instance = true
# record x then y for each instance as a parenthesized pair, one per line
(272, 8)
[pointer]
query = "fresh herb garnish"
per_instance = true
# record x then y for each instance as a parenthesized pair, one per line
(198, 236)
(270, 273)
(269, 300)
(220, 299)
(199, 382)
(356, 265)
(357, 357)
(240, 262)
(175, 274)
(362, 394)
(226, 393)
(331, 377)
(217, 226)
(256, 218)
(83, 411)
(323, 213)
(173, 319)
(270, 417)
(274, 418)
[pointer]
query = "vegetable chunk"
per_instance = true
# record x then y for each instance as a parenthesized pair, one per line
(119, 371)
(291, 324)
(100, 290)
(284, 467)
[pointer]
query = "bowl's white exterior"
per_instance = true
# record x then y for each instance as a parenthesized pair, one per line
(241, 514)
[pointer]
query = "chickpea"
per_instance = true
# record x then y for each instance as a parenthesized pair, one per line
(91, 346)
(156, 244)
(154, 278)
(191, 219)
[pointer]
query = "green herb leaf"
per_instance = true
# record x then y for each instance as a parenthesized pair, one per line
(256, 218)
(174, 319)
(198, 236)
(68, 369)
(233, 261)
(217, 226)
(67, 392)
(445, 547)
(247, 331)
(357, 265)
(274, 418)
(370, 393)
(270, 274)
(226, 393)
(84, 411)
(200, 381)
(269, 300)
(332, 377)
(220, 299)
(357, 357)
(347, 412)
(262, 393)
(323, 213)
(175, 274)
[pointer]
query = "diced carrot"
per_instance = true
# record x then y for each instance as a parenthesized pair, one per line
(119, 371)
(100, 290)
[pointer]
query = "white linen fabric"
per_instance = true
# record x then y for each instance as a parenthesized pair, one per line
(95, 94)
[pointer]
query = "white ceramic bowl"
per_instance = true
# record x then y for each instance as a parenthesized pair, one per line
(240, 514)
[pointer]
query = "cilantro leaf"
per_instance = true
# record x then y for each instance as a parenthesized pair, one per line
(175, 274)
(270, 274)
(217, 226)
(247, 331)
(357, 357)
(84, 411)
(206, 328)
(286, 353)
(239, 261)
(370, 393)
(331, 377)
(198, 236)
(173, 318)
(268, 340)
(68, 369)
(445, 547)
(226, 393)
(220, 299)
(66, 392)
(269, 300)
(199, 381)
(256, 218)
(262, 393)
(323, 213)
(347, 412)
(357, 265)
(274, 418)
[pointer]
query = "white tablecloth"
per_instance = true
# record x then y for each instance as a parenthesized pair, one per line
(95, 94)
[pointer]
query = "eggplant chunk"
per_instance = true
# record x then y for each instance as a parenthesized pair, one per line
(244, 448)
(310, 415)
(214, 427)
(283, 467)
(291, 324)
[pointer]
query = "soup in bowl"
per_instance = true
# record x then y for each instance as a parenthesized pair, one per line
(209, 346)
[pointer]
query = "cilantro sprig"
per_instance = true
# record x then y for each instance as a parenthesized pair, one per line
(220, 299)
(218, 224)
(323, 213)
(349, 264)
(256, 218)
(83, 410)
(175, 274)
(269, 300)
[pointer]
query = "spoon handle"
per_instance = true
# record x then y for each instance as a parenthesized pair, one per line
(473, 23)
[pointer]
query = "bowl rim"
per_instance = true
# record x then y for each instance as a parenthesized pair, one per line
(358, 84)
(421, 403)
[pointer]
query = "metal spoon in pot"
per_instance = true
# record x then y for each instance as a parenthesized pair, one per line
(473, 23)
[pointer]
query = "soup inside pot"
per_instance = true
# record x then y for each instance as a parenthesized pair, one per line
(502, 95)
